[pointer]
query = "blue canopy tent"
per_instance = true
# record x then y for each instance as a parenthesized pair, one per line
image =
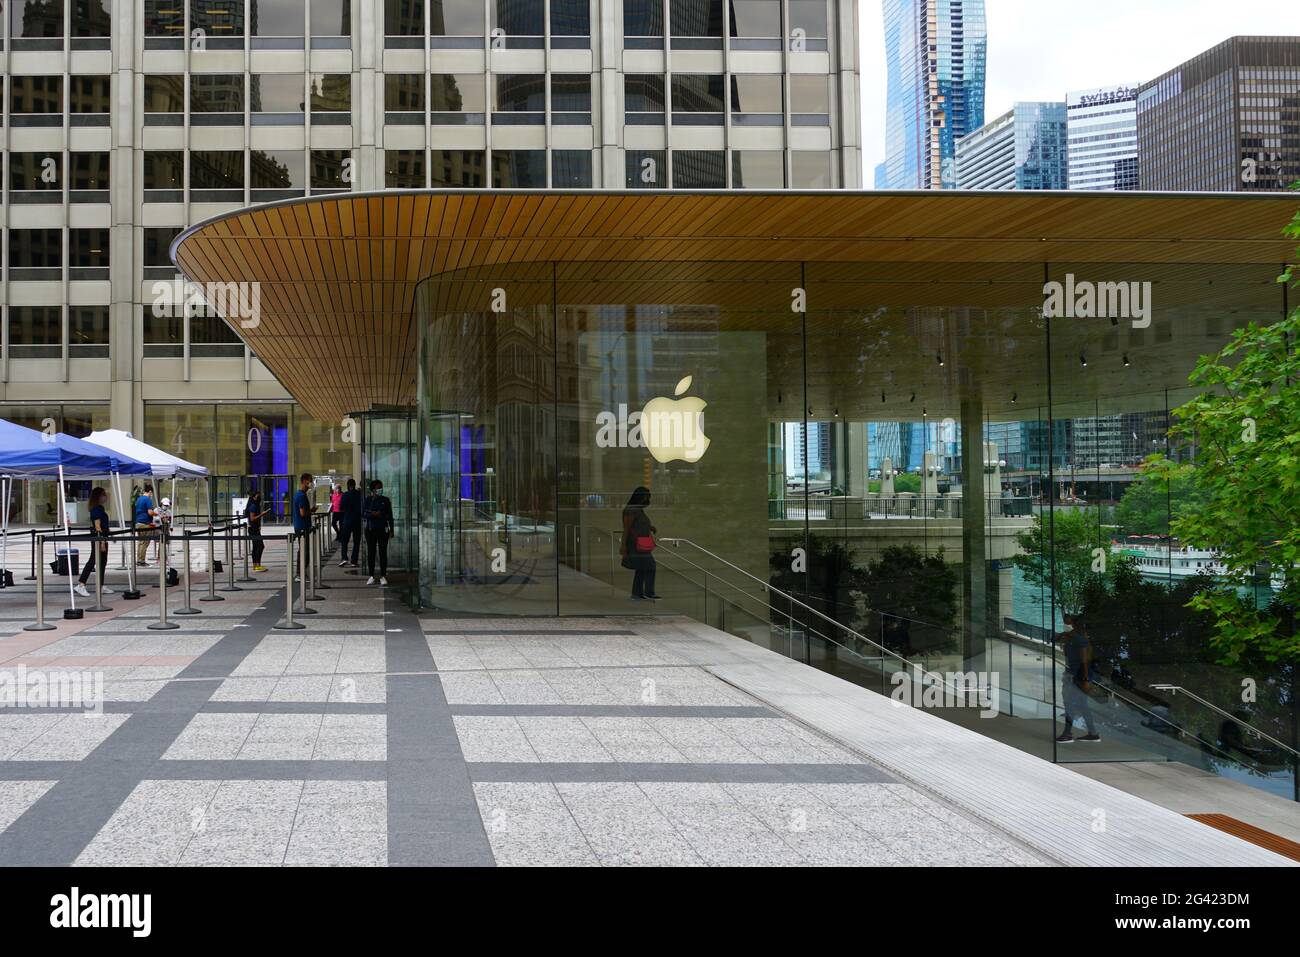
(28, 454)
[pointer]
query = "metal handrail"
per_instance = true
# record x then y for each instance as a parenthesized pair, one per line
(770, 607)
(1176, 689)
(767, 587)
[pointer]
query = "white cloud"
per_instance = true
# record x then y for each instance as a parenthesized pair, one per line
(1041, 49)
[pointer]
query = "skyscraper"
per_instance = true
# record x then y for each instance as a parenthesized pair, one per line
(935, 56)
(1227, 119)
(120, 132)
(1102, 126)
(1024, 148)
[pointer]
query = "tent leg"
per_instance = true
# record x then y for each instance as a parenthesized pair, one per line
(72, 612)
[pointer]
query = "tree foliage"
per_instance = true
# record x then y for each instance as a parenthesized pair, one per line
(1245, 425)
(1070, 542)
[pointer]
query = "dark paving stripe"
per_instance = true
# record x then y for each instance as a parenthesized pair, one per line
(532, 633)
(268, 771)
(35, 770)
(615, 711)
(296, 707)
(59, 825)
(109, 707)
(532, 771)
(433, 817)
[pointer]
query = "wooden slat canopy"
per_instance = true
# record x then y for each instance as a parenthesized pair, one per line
(338, 273)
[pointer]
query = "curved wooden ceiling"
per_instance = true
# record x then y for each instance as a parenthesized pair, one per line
(338, 273)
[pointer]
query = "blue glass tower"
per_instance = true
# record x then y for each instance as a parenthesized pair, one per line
(935, 57)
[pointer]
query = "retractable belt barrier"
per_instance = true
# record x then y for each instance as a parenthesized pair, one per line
(301, 542)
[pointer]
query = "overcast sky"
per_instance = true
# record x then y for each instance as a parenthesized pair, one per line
(1040, 49)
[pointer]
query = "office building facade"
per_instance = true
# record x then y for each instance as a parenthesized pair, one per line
(1024, 148)
(1227, 119)
(1102, 129)
(127, 122)
(935, 55)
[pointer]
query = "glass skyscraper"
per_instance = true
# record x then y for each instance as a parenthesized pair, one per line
(935, 57)
(1025, 148)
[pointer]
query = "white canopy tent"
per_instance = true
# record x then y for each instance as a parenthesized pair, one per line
(164, 464)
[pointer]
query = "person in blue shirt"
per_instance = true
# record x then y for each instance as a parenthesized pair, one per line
(377, 511)
(302, 506)
(254, 513)
(144, 527)
(350, 524)
(98, 526)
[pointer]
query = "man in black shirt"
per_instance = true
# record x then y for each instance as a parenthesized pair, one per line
(377, 511)
(350, 524)
(1076, 682)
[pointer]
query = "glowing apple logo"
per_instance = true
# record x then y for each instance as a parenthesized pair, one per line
(671, 429)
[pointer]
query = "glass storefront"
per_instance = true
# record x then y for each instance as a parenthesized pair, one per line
(871, 467)
(264, 443)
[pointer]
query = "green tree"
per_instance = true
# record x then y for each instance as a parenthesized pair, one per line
(1245, 424)
(1148, 503)
(1074, 537)
(916, 595)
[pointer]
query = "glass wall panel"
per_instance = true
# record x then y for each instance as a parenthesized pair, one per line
(643, 24)
(456, 23)
(458, 168)
(220, 24)
(277, 24)
(276, 98)
(519, 169)
(487, 395)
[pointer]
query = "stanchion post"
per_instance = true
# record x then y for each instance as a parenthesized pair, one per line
(287, 622)
(246, 541)
(304, 574)
(318, 579)
(189, 608)
(314, 558)
(40, 624)
(162, 624)
(230, 563)
(212, 570)
(99, 576)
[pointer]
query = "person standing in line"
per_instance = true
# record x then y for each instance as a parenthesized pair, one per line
(144, 518)
(303, 509)
(378, 512)
(254, 512)
(336, 500)
(99, 525)
(638, 545)
(350, 524)
(1076, 682)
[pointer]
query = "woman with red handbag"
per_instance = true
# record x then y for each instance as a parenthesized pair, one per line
(639, 544)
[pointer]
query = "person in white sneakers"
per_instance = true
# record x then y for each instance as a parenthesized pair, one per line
(377, 511)
(99, 549)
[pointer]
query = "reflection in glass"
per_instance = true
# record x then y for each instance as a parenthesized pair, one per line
(222, 22)
(403, 18)
(404, 169)
(328, 170)
(275, 93)
(216, 93)
(216, 169)
(699, 169)
(519, 169)
(276, 170)
(757, 169)
(458, 168)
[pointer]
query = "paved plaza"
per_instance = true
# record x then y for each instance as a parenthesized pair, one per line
(375, 736)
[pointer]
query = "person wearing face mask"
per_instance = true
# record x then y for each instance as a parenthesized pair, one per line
(377, 515)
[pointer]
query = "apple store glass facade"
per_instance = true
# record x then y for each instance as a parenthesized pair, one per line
(874, 468)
